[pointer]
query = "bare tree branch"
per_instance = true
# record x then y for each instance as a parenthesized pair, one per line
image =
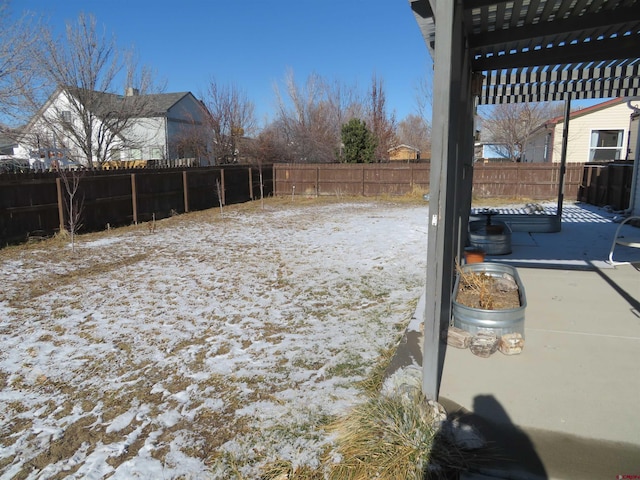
(17, 70)
(86, 118)
(74, 203)
(414, 131)
(312, 115)
(508, 126)
(382, 124)
(231, 117)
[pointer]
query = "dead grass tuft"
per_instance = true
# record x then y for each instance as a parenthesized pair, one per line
(285, 470)
(392, 437)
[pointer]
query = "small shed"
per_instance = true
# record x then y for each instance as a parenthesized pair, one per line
(404, 153)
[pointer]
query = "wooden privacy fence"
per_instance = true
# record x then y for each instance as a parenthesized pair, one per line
(537, 181)
(36, 202)
(607, 184)
(358, 179)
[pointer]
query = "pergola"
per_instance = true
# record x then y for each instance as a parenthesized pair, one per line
(489, 52)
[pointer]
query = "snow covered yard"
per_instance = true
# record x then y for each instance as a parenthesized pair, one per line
(210, 347)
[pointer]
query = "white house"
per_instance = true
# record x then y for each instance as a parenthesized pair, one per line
(159, 128)
(596, 133)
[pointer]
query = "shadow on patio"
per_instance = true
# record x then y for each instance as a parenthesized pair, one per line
(572, 394)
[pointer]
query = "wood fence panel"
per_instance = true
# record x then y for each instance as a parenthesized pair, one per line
(201, 185)
(297, 180)
(28, 204)
(267, 181)
(386, 180)
(236, 179)
(420, 176)
(105, 199)
(340, 179)
(159, 193)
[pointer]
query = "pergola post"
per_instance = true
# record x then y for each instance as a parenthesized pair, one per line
(451, 157)
(563, 156)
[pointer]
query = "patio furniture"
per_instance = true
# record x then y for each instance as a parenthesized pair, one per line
(633, 242)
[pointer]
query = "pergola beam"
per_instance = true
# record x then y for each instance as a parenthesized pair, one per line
(534, 33)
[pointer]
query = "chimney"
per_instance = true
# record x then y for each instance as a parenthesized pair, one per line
(131, 92)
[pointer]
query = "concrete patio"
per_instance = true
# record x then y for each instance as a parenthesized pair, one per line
(567, 407)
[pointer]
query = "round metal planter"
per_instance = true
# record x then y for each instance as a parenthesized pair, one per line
(500, 322)
(486, 237)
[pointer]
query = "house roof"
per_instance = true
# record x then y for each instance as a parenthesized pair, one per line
(157, 104)
(162, 102)
(547, 50)
(404, 145)
(588, 110)
(553, 122)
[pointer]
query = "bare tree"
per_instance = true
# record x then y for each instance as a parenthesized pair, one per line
(415, 131)
(508, 126)
(86, 117)
(74, 204)
(424, 96)
(305, 117)
(382, 124)
(193, 140)
(218, 190)
(231, 117)
(17, 39)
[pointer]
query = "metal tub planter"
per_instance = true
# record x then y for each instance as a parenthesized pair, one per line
(500, 322)
(494, 238)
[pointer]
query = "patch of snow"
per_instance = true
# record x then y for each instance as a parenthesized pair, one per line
(204, 341)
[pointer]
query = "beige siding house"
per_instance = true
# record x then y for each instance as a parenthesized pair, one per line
(597, 133)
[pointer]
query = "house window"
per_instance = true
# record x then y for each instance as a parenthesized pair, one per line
(156, 153)
(606, 145)
(135, 154)
(66, 116)
(114, 154)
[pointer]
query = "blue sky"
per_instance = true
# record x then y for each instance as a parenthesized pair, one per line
(252, 43)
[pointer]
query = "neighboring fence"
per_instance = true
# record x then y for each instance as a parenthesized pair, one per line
(536, 181)
(356, 179)
(35, 203)
(607, 184)
(492, 180)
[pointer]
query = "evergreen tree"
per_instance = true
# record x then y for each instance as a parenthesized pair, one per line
(358, 143)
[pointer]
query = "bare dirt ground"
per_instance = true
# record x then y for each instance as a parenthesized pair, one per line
(208, 348)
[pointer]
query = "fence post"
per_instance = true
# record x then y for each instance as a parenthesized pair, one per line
(134, 199)
(250, 184)
(185, 191)
(60, 205)
(362, 180)
(317, 182)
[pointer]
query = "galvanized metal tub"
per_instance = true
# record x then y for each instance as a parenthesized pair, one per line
(490, 243)
(523, 222)
(500, 322)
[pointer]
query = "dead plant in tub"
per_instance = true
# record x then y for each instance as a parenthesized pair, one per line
(485, 291)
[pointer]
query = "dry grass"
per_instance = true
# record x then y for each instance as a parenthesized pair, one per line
(391, 437)
(145, 321)
(480, 284)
